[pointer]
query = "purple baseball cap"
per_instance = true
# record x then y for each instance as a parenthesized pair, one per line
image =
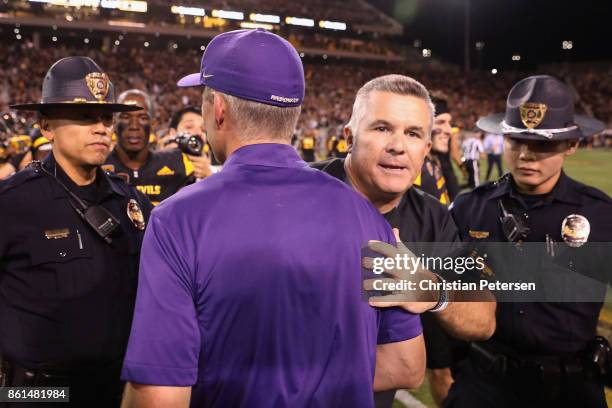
(255, 65)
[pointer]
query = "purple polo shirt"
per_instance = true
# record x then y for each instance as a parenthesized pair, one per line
(250, 289)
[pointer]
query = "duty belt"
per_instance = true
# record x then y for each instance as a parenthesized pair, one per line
(528, 368)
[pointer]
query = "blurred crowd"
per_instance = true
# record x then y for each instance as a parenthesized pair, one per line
(352, 12)
(331, 85)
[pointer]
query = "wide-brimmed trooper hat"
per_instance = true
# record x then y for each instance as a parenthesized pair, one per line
(77, 82)
(540, 107)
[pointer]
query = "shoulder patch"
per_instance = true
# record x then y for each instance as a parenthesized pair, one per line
(18, 179)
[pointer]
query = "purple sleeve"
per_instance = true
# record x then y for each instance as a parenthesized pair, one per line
(398, 325)
(395, 323)
(164, 343)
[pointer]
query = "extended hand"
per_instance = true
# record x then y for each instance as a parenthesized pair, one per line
(415, 300)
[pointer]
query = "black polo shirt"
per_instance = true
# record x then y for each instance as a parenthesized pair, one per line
(420, 217)
(426, 228)
(163, 174)
(539, 327)
(66, 295)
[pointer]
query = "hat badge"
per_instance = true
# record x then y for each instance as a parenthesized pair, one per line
(532, 114)
(98, 84)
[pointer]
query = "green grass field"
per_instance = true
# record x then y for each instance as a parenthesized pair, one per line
(592, 167)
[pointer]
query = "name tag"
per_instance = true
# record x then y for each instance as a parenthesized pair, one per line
(478, 234)
(57, 233)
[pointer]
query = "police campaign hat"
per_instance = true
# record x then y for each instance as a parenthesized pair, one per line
(255, 65)
(77, 82)
(540, 107)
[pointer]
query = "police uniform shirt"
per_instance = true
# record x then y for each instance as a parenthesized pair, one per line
(66, 295)
(539, 328)
(242, 276)
(163, 174)
(431, 180)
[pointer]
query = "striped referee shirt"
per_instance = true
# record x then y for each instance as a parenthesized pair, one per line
(472, 148)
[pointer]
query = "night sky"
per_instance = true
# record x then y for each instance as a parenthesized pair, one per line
(534, 29)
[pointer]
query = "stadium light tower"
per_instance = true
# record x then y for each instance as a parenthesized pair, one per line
(567, 45)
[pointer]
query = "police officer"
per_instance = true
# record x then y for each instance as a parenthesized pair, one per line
(157, 174)
(69, 246)
(540, 352)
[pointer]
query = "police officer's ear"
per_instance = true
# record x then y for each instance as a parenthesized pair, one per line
(572, 146)
(45, 127)
(348, 135)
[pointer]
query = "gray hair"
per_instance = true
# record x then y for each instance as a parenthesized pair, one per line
(254, 118)
(397, 84)
(145, 96)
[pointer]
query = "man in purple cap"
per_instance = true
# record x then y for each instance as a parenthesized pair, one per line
(239, 302)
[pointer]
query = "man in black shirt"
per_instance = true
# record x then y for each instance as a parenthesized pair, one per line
(69, 247)
(389, 136)
(157, 174)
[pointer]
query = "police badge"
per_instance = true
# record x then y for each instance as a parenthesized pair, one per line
(135, 214)
(98, 84)
(532, 114)
(575, 230)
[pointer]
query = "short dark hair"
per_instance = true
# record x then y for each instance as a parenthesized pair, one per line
(178, 115)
